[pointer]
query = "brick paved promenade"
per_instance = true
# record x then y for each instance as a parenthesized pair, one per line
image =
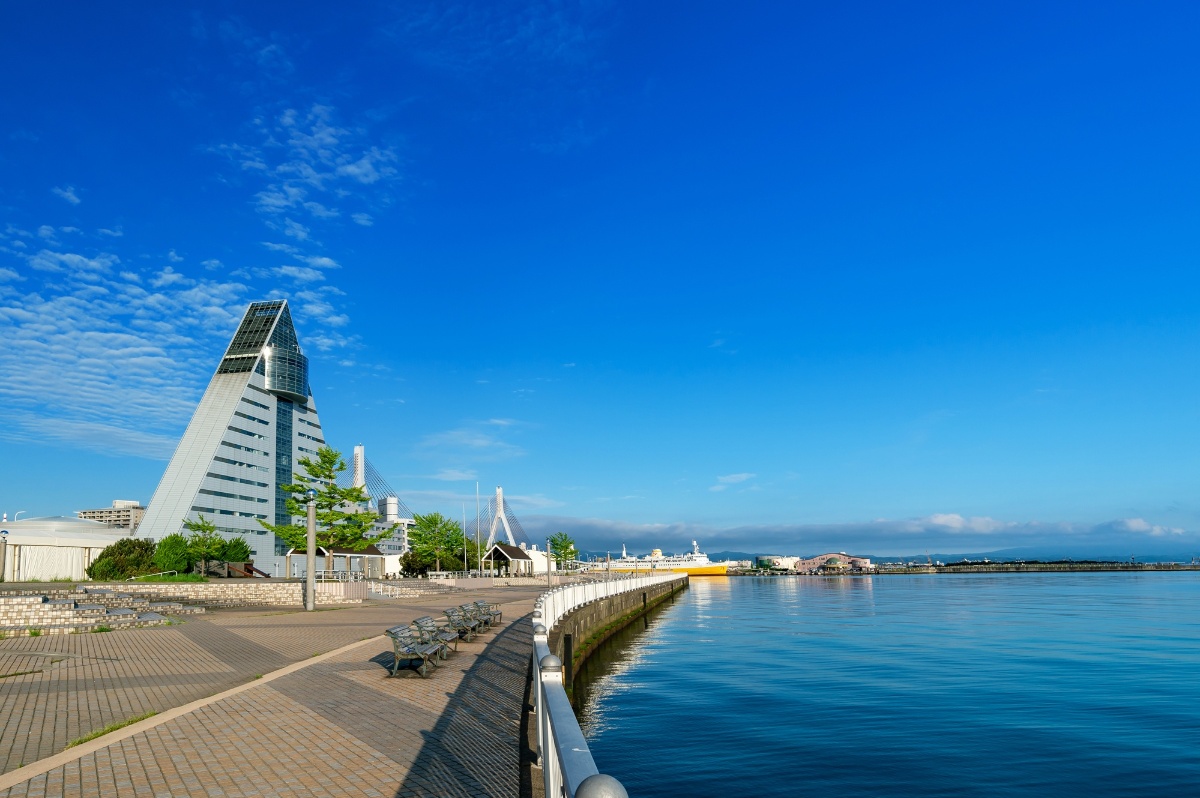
(335, 726)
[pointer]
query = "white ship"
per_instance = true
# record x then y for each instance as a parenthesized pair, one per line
(694, 563)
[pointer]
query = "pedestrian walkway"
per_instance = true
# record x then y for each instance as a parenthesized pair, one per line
(334, 725)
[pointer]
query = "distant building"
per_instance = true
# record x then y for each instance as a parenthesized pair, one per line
(824, 563)
(390, 514)
(255, 421)
(124, 513)
(833, 562)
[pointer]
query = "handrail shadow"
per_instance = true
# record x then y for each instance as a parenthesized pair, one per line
(476, 746)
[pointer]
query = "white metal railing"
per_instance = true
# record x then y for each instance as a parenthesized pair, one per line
(340, 576)
(567, 765)
(160, 573)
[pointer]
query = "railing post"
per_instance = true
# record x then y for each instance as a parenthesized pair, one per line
(539, 696)
(601, 786)
(551, 668)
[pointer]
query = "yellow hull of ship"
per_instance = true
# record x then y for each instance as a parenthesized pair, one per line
(693, 570)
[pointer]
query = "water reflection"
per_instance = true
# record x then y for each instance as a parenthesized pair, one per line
(599, 679)
(939, 685)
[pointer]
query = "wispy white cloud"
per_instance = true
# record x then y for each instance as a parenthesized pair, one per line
(475, 442)
(174, 257)
(80, 266)
(105, 363)
(724, 482)
(295, 230)
(67, 193)
(301, 274)
(455, 475)
(169, 277)
(365, 219)
(115, 232)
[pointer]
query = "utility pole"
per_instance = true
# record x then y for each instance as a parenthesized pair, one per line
(549, 582)
(310, 560)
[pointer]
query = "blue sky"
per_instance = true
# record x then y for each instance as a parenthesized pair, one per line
(866, 276)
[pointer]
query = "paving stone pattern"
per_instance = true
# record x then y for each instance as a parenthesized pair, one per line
(339, 727)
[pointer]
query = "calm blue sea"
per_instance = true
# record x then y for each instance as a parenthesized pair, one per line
(1005, 685)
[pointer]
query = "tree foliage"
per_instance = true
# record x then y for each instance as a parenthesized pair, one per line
(123, 559)
(562, 547)
(435, 541)
(173, 554)
(236, 550)
(341, 520)
(205, 543)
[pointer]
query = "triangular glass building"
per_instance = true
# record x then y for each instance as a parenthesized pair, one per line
(256, 419)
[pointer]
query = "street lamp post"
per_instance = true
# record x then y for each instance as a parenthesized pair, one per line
(310, 562)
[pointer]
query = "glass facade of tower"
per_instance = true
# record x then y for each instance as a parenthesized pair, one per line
(287, 372)
(255, 420)
(283, 466)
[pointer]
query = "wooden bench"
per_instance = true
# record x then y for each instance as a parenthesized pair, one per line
(465, 626)
(484, 616)
(408, 648)
(430, 631)
(493, 611)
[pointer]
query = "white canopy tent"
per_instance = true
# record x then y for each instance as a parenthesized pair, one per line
(53, 548)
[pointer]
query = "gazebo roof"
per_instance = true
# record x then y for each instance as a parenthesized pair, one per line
(509, 552)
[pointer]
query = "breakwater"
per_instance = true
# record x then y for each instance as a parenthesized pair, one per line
(579, 632)
(562, 754)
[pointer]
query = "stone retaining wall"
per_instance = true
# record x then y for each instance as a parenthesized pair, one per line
(244, 592)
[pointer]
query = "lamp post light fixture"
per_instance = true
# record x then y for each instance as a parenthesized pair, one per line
(310, 561)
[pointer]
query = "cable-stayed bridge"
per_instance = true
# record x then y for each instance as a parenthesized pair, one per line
(382, 499)
(496, 518)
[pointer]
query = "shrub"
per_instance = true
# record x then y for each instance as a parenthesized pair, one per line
(204, 543)
(123, 559)
(236, 550)
(172, 554)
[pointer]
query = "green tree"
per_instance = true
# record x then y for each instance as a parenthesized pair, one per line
(341, 519)
(236, 550)
(205, 543)
(123, 559)
(172, 554)
(435, 540)
(562, 547)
